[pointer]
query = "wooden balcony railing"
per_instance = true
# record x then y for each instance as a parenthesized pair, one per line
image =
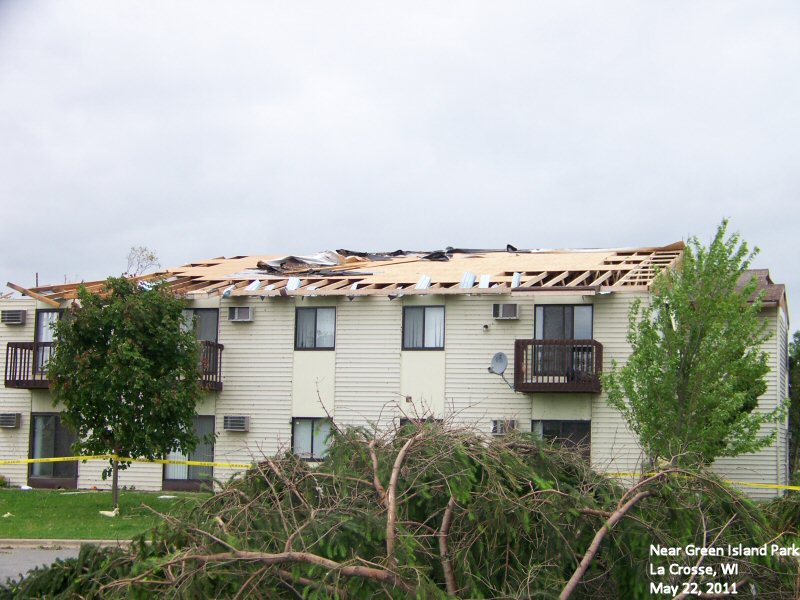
(211, 365)
(26, 365)
(557, 365)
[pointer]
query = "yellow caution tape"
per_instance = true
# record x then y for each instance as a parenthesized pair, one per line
(202, 463)
(191, 463)
(772, 486)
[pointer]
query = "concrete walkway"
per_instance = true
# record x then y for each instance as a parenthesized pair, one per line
(19, 556)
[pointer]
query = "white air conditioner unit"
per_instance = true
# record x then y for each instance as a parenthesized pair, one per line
(240, 313)
(505, 311)
(10, 420)
(13, 317)
(236, 423)
(501, 426)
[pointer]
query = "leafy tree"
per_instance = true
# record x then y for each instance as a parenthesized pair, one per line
(691, 385)
(794, 406)
(126, 372)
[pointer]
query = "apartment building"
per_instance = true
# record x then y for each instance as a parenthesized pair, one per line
(491, 339)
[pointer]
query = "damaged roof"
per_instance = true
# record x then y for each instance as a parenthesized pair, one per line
(448, 271)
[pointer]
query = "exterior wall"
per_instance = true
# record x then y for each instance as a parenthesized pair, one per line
(257, 382)
(614, 446)
(367, 378)
(422, 372)
(14, 443)
(767, 465)
(475, 396)
(368, 338)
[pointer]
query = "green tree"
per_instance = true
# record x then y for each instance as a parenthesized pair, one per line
(794, 406)
(126, 371)
(691, 384)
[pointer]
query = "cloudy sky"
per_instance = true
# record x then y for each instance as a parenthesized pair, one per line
(202, 129)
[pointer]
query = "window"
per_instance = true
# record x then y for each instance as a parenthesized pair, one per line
(204, 321)
(315, 328)
(423, 328)
(564, 322)
(573, 434)
(310, 438)
(191, 477)
(239, 313)
(501, 426)
(43, 346)
(51, 439)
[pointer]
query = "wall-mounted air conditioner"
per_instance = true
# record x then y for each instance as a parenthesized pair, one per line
(10, 420)
(240, 313)
(505, 311)
(236, 423)
(13, 317)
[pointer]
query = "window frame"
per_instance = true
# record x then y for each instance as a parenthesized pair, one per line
(313, 420)
(316, 347)
(193, 323)
(49, 481)
(583, 447)
(41, 358)
(195, 484)
(424, 308)
(572, 306)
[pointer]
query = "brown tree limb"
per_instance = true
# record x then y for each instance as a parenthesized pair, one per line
(447, 563)
(375, 574)
(375, 479)
(391, 499)
(595, 545)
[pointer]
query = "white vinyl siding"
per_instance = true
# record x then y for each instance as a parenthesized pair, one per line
(14, 442)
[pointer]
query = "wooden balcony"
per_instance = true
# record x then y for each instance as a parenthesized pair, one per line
(558, 366)
(211, 365)
(26, 365)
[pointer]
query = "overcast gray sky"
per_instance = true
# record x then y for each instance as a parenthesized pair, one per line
(202, 129)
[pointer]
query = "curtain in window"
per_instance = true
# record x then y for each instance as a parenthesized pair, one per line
(322, 429)
(434, 327)
(45, 321)
(51, 440)
(412, 327)
(301, 437)
(204, 451)
(206, 324)
(326, 327)
(176, 471)
(304, 337)
(582, 321)
(44, 443)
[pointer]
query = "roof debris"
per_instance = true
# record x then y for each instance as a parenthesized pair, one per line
(448, 271)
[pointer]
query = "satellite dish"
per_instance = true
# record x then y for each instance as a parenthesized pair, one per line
(499, 363)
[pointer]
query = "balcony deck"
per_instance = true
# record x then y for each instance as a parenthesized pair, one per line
(558, 366)
(26, 365)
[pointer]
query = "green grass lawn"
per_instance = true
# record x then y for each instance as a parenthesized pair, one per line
(65, 514)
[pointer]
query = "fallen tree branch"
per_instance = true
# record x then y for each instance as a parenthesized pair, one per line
(391, 499)
(375, 479)
(379, 575)
(595, 545)
(447, 563)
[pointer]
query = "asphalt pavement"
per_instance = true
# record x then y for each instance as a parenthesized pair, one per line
(19, 556)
